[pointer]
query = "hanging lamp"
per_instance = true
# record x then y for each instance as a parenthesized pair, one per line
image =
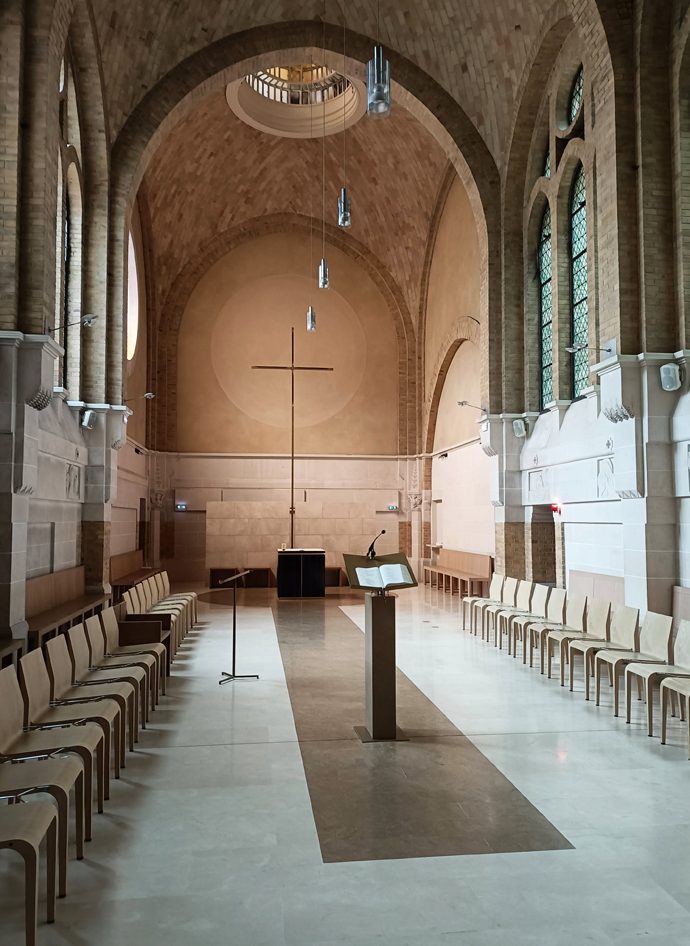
(311, 319)
(378, 78)
(323, 265)
(344, 207)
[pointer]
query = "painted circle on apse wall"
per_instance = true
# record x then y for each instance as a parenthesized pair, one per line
(253, 328)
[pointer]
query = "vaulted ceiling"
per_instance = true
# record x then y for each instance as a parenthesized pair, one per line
(213, 173)
(475, 49)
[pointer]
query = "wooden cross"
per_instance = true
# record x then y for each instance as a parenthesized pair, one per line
(292, 368)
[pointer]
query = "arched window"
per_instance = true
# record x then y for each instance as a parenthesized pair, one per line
(547, 162)
(578, 287)
(68, 234)
(576, 95)
(132, 300)
(544, 265)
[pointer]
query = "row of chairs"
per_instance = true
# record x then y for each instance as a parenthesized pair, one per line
(153, 596)
(67, 715)
(609, 638)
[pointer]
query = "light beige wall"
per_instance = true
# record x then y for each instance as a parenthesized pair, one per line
(454, 281)
(458, 424)
(463, 514)
(240, 314)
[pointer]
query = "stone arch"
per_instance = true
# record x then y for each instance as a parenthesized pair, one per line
(235, 55)
(523, 143)
(465, 330)
(163, 380)
(680, 92)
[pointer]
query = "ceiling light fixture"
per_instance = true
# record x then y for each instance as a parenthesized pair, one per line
(323, 265)
(378, 77)
(344, 207)
(311, 319)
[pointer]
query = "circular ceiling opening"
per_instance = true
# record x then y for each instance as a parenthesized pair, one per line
(304, 100)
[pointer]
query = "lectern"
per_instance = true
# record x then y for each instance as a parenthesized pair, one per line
(379, 576)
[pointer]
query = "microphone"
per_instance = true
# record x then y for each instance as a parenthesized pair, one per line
(371, 554)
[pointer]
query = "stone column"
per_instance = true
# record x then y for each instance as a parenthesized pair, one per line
(500, 443)
(633, 399)
(103, 440)
(26, 372)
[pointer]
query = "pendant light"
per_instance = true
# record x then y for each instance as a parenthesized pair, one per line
(378, 79)
(311, 312)
(344, 208)
(323, 265)
(311, 319)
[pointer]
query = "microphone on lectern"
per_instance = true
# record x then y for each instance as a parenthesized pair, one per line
(371, 554)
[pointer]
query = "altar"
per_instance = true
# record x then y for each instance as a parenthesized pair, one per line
(301, 573)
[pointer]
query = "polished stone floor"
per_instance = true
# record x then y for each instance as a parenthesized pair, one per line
(209, 837)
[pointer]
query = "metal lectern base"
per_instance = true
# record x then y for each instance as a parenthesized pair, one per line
(229, 677)
(365, 736)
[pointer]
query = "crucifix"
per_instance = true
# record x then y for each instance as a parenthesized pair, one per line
(292, 368)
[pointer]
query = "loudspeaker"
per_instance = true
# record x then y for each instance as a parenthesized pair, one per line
(519, 428)
(670, 376)
(88, 419)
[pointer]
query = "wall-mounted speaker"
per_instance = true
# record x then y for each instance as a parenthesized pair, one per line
(519, 428)
(670, 376)
(88, 419)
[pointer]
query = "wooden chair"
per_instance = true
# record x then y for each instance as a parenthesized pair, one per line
(489, 609)
(22, 828)
(56, 777)
(653, 644)
(152, 654)
(34, 681)
(67, 686)
(582, 617)
(118, 668)
(518, 625)
(84, 740)
(470, 603)
(651, 673)
(556, 619)
(623, 635)
(674, 686)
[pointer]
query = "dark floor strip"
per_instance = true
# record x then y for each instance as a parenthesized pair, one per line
(427, 797)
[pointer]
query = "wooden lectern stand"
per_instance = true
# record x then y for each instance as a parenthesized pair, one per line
(379, 610)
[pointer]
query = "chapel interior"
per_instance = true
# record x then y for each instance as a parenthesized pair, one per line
(278, 279)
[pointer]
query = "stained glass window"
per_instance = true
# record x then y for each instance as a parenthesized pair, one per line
(547, 162)
(544, 264)
(576, 94)
(578, 275)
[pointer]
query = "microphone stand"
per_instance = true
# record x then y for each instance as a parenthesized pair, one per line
(230, 677)
(371, 553)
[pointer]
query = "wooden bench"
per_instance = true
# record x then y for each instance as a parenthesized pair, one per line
(56, 601)
(11, 651)
(127, 569)
(464, 573)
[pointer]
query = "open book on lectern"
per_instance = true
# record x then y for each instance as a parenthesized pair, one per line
(383, 573)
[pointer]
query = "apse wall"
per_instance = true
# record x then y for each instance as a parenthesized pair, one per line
(233, 428)
(240, 314)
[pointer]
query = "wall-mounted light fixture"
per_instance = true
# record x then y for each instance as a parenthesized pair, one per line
(86, 321)
(476, 407)
(574, 349)
(139, 397)
(88, 420)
